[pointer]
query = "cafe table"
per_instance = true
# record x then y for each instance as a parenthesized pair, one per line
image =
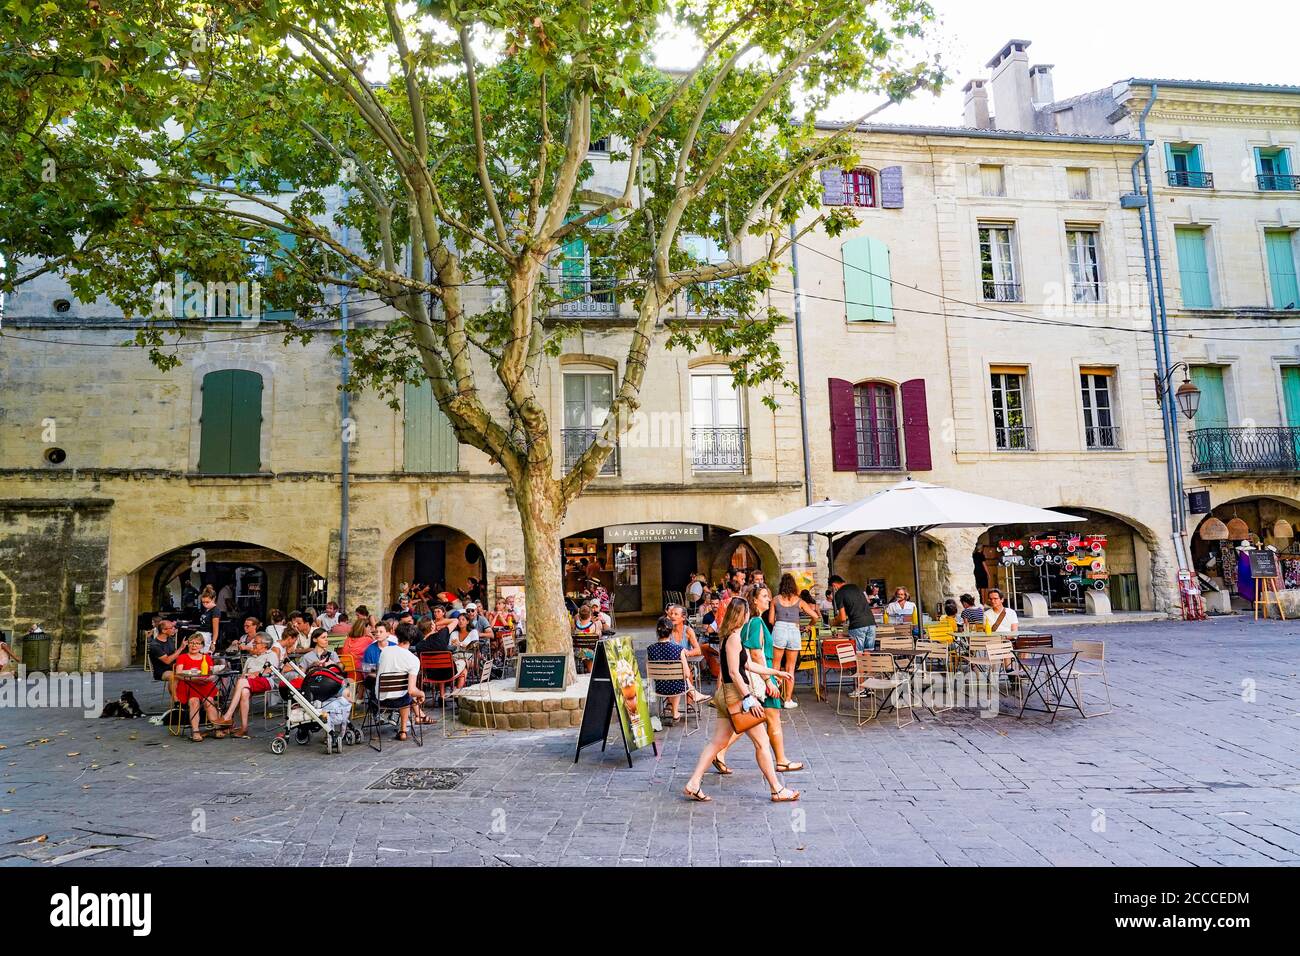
(1049, 670)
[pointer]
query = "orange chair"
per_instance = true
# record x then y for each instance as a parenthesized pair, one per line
(832, 661)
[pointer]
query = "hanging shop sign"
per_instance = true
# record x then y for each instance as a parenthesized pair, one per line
(653, 532)
(1198, 502)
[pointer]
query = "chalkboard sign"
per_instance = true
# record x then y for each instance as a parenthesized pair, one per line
(542, 671)
(1263, 564)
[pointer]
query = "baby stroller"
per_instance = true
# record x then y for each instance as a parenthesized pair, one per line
(323, 685)
(303, 717)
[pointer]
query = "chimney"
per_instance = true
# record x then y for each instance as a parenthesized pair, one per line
(977, 105)
(1012, 97)
(1040, 82)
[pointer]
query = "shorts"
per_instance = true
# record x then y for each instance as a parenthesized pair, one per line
(257, 685)
(396, 703)
(786, 636)
(864, 638)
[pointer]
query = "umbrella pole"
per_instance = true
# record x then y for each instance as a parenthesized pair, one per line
(916, 577)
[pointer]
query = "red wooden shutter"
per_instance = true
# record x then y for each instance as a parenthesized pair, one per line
(844, 430)
(916, 425)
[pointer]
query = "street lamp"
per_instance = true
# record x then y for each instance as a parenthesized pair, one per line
(1187, 396)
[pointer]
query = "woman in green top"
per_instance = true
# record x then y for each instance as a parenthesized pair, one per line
(757, 641)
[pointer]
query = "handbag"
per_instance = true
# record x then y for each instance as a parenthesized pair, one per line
(741, 719)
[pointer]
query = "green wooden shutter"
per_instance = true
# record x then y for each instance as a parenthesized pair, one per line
(230, 435)
(1213, 409)
(214, 424)
(1281, 269)
(868, 292)
(1193, 269)
(429, 441)
(1291, 394)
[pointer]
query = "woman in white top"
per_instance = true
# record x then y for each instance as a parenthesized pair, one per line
(901, 610)
(998, 618)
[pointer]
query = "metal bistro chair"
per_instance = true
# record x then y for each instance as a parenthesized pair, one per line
(832, 662)
(997, 659)
(880, 677)
(936, 671)
(808, 658)
(509, 650)
(438, 673)
(1094, 654)
(482, 687)
(846, 662)
(374, 722)
(584, 650)
(666, 671)
(352, 671)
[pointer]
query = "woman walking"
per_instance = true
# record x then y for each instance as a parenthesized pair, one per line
(758, 644)
(785, 637)
(736, 695)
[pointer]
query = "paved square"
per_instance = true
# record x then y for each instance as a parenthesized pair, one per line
(1199, 764)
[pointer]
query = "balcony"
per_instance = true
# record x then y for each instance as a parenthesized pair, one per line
(1001, 291)
(578, 440)
(1014, 438)
(1277, 182)
(1191, 180)
(718, 449)
(1101, 437)
(1245, 451)
(585, 295)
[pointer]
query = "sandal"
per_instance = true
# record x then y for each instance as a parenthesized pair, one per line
(777, 798)
(790, 767)
(240, 734)
(721, 767)
(196, 737)
(697, 796)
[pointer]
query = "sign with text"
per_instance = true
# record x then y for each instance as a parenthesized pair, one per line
(542, 671)
(616, 686)
(1263, 564)
(653, 532)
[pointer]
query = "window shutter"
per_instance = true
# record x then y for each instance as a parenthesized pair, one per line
(916, 425)
(882, 287)
(1169, 157)
(245, 422)
(1193, 269)
(844, 435)
(891, 187)
(430, 443)
(859, 306)
(214, 424)
(832, 187)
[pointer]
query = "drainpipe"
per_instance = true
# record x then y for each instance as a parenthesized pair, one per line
(345, 409)
(1160, 336)
(803, 395)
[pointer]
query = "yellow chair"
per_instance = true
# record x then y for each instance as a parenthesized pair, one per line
(808, 658)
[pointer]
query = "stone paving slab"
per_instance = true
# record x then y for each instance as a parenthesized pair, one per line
(1198, 765)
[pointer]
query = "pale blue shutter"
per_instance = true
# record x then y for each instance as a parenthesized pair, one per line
(1281, 269)
(868, 292)
(1193, 269)
(430, 443)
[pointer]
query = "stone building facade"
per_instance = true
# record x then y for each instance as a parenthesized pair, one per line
(984, 327)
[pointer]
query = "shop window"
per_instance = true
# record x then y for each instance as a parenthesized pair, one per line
(230, 424)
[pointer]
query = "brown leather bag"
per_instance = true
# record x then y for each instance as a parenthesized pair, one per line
(743, 720)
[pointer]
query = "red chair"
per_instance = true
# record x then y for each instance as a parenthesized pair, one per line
(438, 670)
(831, 661)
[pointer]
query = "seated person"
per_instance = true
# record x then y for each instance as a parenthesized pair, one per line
(163, 650)
(587, 625)
(463, 635)
(194, 685)
(950, 616)
(398, 659)
(710, 649)
(256, 679)
(244, 643)
(683, 633)
(666, 649)
(358, 640)
(320, 651)
(606, 622)
(972, 613)
(370, 660)
(502, 618)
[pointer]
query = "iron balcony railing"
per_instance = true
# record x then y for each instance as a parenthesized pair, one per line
(1014, 438)
(577, 440)
(1277, 182)
(1102, 437)
(1193, 180)
(1236, 451)
(585, 295)
(718, 449)
(878, 449)
(1001, 291)
(1086, 292)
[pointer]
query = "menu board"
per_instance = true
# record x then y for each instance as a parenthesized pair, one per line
(1263, 564)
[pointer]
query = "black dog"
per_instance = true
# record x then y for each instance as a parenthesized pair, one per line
(125, 707)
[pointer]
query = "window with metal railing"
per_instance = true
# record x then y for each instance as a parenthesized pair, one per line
(999, 281)
(1009, 393)
(876, 423)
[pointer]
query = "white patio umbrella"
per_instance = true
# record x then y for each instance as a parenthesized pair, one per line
(914, 507)
(793, 522)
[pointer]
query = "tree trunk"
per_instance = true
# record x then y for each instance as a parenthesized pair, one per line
(548, 627)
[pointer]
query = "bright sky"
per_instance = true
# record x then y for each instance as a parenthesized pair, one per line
(1095, 42)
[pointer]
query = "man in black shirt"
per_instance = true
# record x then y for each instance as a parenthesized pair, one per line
(432, 638)
(163, 651)
(853, 609)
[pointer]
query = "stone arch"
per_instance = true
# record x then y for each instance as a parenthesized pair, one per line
(456, 557)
